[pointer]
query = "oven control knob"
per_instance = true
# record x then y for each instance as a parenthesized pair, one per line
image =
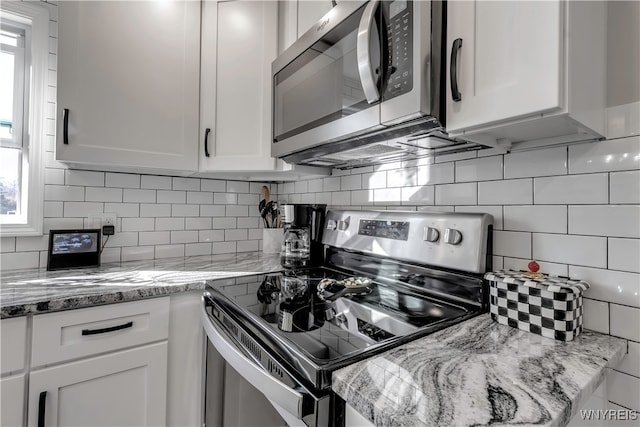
(331, 224)
(344, 224)
(452, 236)
(431, 234)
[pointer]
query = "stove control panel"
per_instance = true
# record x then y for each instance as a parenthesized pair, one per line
(452, 236)
(396, 230)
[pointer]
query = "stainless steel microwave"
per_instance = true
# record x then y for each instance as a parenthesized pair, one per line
(363, 84)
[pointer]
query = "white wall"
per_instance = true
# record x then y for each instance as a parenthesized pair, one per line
(574, 209)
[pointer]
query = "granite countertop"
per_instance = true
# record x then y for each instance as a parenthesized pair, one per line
(39, 291)
(476, 373)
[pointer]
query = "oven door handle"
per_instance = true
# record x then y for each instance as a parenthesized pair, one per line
(289, 399)
(365, 69)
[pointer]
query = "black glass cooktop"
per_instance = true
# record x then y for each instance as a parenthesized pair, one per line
(324, 330)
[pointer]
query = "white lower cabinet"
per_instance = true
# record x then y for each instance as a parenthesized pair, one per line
(12, 400)
(127, 388)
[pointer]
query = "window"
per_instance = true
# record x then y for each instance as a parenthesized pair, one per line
(24, 34)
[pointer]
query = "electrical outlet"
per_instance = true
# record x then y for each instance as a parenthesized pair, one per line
(100, 219)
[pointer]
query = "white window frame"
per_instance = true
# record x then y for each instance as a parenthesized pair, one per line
(32, 195)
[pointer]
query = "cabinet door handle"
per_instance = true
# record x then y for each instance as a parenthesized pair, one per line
(65, 130)
(42, 405)
(105, 330)
(206, 141)
(455, 93)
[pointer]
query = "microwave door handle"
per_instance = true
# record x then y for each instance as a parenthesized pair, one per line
(289, 399)
(365, 69)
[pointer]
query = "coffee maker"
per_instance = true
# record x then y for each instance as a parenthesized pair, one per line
(302, 245)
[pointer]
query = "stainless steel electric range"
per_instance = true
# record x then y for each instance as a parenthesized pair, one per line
(386, 278)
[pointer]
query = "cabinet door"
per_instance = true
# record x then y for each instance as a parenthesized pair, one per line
(127, 388)
(239, 40)
(310, 12)
(128, 74)
(509, 63)
(12, 400)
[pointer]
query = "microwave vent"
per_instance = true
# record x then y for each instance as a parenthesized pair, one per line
(367, 151)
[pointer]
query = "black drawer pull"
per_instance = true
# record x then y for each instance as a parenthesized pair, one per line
(206, 141)
(42, 405)
(105, 330)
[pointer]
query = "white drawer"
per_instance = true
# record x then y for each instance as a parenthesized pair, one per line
(84, 332)
(13, 340)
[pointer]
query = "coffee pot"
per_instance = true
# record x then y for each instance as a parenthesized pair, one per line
(302, 245)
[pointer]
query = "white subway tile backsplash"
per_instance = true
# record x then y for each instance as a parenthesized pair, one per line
(608, 285)
(121, 210)
(624, 254)
(155, 210)
(169, 196)
(18, 260)
(351, 182)
(402, 177)
(201, 223)
(624, 187)
(596, 315)
(457, 194)
(623, 390)
(32, 243)
(419, 195)
(248, 199)
(631, 362)
(213, 210)
(373, 180)
(307, 198)
(550, 161)
(539, 218)
(314, 185)
(223, 248)
(237, 187)
(148, 238)
(83, 178)
(605, 220)
(605, 156)
(247, 246)
(513, 244)
(573, 189)
(362, 197)
(122, 180)
(226, 223)
(81, 209)
(103, 194)
(480, 169)
(187, 184)
(7, 244)
(341, 198)
(213, 235)
(323, 198)
(122, 239)
(494, 211)
(248, 222)
(213, 185)
(54, 176)
(507, 192)
(235, 210)
(138, 196)
(63, 193)
(185, 210)
(169, 224)
(195, 249)
(53, 209)
(454, 157)
(155, 182)
(436, 173)
(566, 249)
(498, 263)
(301, 186)
(328, 184)
(169, 251)
(625, 322)
(62, 223)
(387, 196)
(184, 237)
(225, 198)
(138, 224)
(109, 255)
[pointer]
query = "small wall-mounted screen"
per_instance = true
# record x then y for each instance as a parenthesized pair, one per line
(73, 243)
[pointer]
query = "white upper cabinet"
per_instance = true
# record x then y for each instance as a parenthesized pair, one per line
(239, 40)
(128, 85)
(525, 71)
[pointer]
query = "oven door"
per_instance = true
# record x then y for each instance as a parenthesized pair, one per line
(326, 86)
(250, 359)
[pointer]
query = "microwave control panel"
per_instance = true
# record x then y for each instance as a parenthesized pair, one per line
(398, 16)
